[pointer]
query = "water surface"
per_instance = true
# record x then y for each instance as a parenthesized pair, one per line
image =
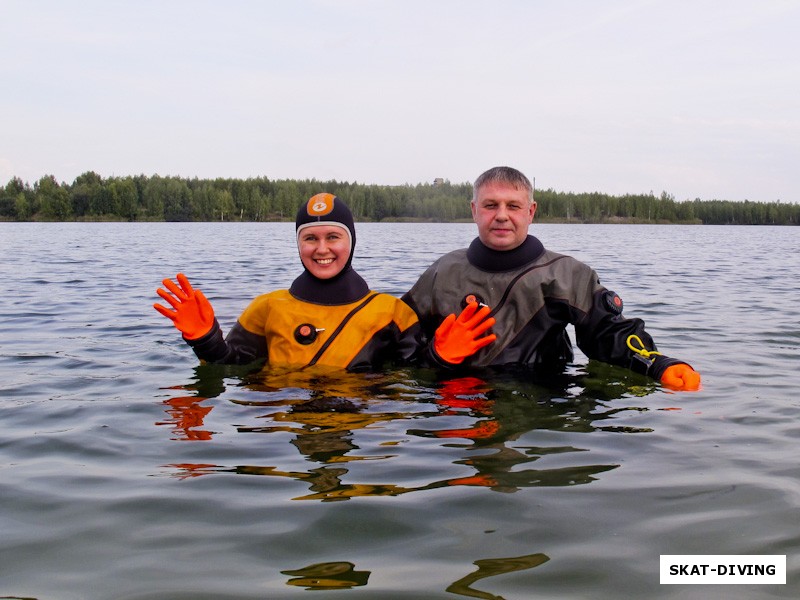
(128, 471)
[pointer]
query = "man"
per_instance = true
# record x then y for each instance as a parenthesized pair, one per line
(533, 295)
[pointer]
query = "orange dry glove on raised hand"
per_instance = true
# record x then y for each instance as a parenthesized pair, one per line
(681, 377)
(457, 338)
(193, 314)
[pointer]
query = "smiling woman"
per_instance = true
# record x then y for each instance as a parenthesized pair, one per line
(324, 250)
(328, 316)
(326, 236)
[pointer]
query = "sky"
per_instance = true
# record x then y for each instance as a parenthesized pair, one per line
(695, 98)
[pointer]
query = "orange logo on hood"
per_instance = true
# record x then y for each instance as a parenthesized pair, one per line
(320, 205)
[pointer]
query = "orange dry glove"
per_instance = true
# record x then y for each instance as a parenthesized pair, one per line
(457, 338)
(681, 377)
(193, 314)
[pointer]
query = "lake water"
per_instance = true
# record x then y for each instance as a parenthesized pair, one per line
(128, 471)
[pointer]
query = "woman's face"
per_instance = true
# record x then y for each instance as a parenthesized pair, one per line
(324, 249)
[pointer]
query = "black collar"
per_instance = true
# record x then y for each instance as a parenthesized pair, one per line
(496, 261)
(348, 286)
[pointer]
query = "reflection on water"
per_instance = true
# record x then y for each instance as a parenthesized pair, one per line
(585, 468)
(483, 419)
(491, 567)
(343, 575)
(186, 417)
(328, 576)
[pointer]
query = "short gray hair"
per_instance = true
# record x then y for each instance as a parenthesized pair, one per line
(508, 175)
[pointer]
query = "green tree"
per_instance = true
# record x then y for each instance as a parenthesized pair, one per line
(204, 201)
(8, 197)
(125, 198)
(225, 208)
(287, 199)
(11, 194)
(54, 199)
(22, 209)
(177, 201)
(85, 193)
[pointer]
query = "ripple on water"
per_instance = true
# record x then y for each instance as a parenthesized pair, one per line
(122, 458)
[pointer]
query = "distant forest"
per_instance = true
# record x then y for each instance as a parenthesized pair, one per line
(155, 198)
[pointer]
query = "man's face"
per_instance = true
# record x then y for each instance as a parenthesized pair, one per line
(502, 213)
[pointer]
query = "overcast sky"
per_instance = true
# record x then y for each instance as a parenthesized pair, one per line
(697, 98)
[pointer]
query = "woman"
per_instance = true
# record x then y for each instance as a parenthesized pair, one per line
(328, 316)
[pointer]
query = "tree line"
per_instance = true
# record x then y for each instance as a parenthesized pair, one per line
(155, 198)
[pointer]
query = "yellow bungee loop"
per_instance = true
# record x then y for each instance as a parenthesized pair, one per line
(641, 350)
